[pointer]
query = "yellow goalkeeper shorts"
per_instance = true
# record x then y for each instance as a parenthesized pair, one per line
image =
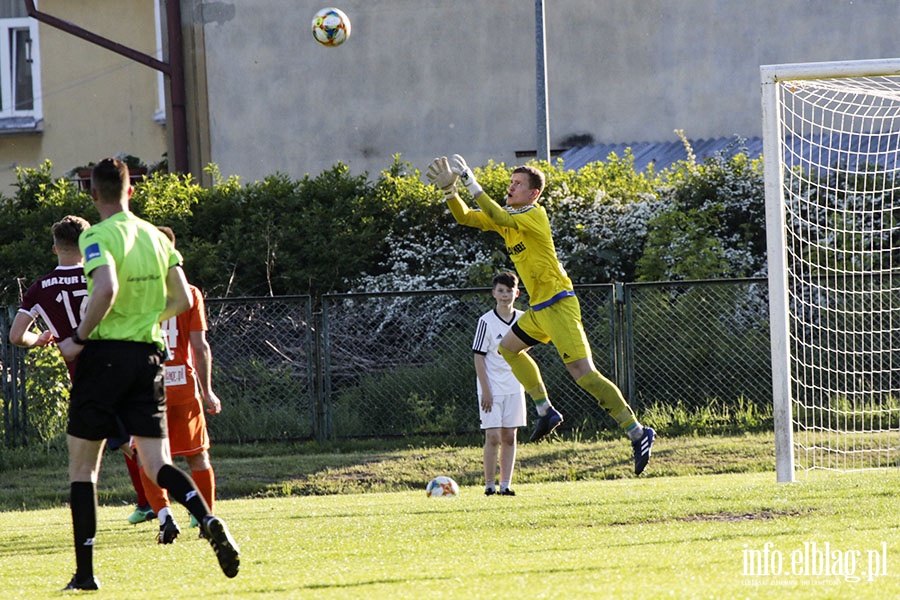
(559, 323)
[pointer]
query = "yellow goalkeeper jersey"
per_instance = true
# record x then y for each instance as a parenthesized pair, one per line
(529, 243)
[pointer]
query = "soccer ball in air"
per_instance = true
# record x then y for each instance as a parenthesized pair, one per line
(442, 487)
(331, 27)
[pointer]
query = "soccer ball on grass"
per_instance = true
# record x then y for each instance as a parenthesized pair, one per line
(442, 487)
(331, 27)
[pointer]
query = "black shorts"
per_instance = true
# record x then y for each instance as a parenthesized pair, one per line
(118, 385)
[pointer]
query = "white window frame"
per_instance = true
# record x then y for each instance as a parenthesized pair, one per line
(31, 117)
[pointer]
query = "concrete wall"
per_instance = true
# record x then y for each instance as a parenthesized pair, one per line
(96, 103)
(430, 77)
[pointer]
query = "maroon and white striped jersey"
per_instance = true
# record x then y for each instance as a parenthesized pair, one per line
(57, 299)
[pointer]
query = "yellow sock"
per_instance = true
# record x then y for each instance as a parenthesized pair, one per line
(610, 398)
(529, 375)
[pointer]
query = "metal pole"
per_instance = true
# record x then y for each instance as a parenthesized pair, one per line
(543, 119)
(173, 69)
(177, 91)
(779, 317)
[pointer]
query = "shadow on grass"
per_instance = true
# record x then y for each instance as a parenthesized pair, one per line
(304, 468)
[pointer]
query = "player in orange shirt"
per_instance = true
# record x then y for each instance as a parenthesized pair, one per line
(188, 386)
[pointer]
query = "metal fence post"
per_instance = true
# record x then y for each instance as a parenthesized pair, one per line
(316, 380)
(322, 378)
(621, 338)
(617, 348)
(15, 404)
(628, 336)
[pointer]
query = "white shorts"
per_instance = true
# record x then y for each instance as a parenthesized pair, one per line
(508, 411)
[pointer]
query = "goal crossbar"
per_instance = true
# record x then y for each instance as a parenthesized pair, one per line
(830, 70)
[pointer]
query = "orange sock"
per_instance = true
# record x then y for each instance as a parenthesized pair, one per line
(156, 496)
(134, 471)
(206, 482)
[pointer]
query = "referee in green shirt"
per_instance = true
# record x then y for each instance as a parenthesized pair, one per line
(135, 281)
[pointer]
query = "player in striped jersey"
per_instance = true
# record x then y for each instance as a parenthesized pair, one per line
(501, 397)
(554, 314)
(57, 299)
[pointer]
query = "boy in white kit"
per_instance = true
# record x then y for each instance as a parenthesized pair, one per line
(501, 398)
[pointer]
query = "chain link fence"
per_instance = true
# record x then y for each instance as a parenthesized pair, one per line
(694, 342)
(263, 368)
(401, 363)
(392, 364)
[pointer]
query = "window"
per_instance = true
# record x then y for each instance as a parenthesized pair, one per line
(20, 98)
(160, 115)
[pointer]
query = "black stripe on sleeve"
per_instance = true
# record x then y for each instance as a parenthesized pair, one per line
(480, 333)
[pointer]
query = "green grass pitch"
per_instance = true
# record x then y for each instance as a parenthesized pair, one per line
(829, 535)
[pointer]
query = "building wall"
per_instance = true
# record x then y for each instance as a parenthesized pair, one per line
(429, 77)
(96, 103)
(425, 77)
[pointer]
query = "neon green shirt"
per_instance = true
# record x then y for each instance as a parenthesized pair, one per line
(141, 257)
(529, 243)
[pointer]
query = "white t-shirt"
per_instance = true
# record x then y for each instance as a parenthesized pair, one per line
(490, 330)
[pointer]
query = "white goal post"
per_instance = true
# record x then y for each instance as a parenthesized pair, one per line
(831, 146)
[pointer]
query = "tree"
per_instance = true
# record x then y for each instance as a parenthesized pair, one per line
(712, 223)
(25, 221)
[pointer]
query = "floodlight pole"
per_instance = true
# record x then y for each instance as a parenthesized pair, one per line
(173, 69)
(543, 119)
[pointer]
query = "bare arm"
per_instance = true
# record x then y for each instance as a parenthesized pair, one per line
(487, 397)
(203, 366)
(20, 332)
(178, 295)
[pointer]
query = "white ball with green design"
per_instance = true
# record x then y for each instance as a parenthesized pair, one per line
(331, 27)
(442, 487)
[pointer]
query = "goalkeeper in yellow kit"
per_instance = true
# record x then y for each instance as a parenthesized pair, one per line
(554, 314)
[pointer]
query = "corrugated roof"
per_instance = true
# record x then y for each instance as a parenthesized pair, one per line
(864, 152)
(855, 152)
(661, 154)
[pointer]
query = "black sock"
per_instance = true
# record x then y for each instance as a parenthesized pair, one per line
(83, 502)
(182, 489)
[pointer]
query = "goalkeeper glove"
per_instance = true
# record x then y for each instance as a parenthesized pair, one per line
(460, 167)
(440, 174)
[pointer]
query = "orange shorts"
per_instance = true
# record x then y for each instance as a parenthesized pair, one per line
(187, 428)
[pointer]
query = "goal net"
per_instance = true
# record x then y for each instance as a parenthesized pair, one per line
(832, 170)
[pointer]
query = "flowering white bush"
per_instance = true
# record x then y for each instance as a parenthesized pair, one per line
(610, 223)
(600, 239)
